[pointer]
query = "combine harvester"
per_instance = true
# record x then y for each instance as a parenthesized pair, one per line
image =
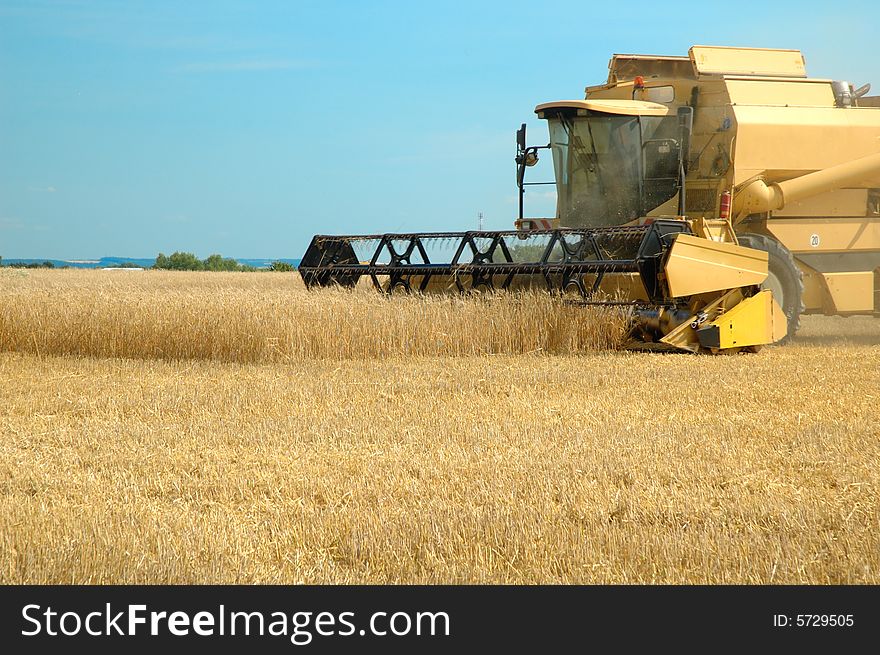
(720, 195)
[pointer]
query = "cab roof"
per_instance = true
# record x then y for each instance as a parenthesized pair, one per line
(619, 107)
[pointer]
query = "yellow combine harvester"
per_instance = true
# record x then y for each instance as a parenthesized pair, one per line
(720, 195)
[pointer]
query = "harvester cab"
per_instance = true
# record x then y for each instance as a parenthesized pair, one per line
(717, 196)
(613, 160)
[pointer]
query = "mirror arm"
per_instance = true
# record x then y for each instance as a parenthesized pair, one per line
(685, 127)
(681, 190)
(521, 158)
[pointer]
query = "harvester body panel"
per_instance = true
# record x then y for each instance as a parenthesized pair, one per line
(797, 154)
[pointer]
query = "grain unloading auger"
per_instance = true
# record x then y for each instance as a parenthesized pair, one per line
(663, 176)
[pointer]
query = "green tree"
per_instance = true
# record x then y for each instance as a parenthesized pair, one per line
(187, 261)
(219, 263)
(45, 264)
(179, 261)
(284, 267)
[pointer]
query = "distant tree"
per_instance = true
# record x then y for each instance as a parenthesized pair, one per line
(187, 261)
(219, 263)
(283, 267)
(128, 265)
(527, 253)
(179, 261)
(32, 265)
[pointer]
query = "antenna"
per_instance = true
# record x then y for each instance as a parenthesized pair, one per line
(480, 221)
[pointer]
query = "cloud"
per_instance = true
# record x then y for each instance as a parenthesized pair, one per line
(43, 189)
(245, 65)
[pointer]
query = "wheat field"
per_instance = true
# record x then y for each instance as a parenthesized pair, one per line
(263, 318)
(234, 428)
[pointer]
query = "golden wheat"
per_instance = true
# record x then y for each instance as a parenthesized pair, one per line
(252, 318)
(600, 467)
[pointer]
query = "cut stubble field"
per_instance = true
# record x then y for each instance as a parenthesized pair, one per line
(234, 428)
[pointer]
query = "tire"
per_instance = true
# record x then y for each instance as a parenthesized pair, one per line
(785, 278)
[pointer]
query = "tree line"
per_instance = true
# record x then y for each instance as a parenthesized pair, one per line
(178, 261)
(187, 261)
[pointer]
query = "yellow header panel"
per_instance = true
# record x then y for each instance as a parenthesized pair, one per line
(719, 60)
(696, 265)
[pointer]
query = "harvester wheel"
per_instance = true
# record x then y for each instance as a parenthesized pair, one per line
(785, 279)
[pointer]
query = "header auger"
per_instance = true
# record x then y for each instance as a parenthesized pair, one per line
(664, 175)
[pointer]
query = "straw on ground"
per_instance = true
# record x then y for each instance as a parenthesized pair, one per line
(584, 466)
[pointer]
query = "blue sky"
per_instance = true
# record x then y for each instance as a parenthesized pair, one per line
(130, 128)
